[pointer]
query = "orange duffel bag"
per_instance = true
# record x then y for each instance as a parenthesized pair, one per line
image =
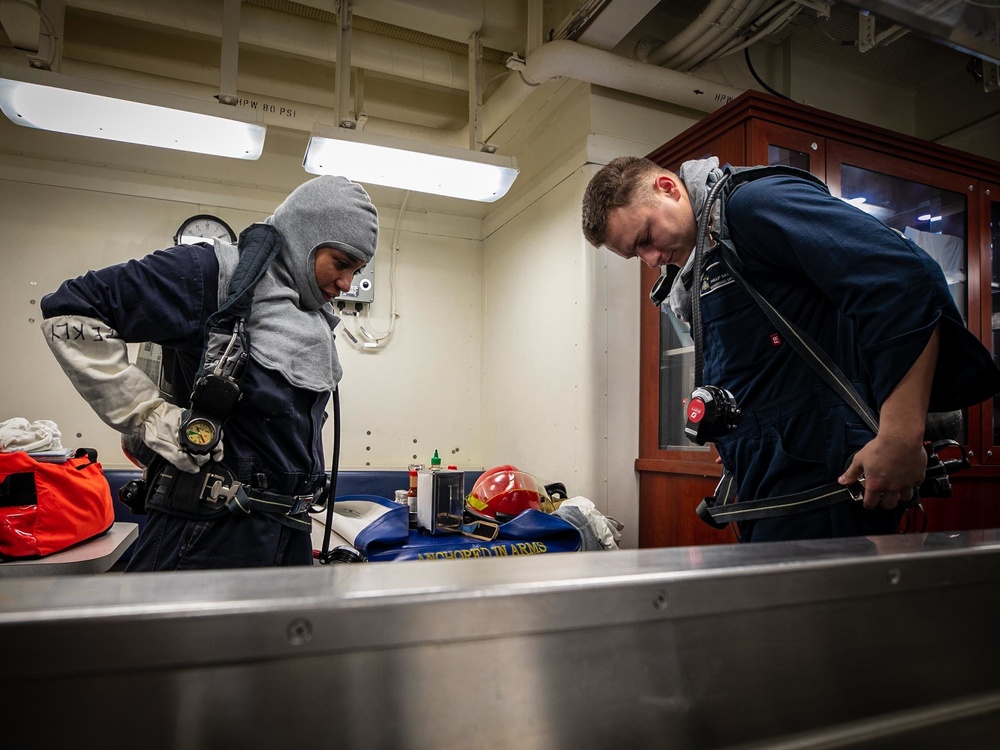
(46, 507)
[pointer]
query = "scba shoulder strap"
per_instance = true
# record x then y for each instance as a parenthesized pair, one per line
(722, 508)
(811, 352)
(218, 383)
(216, 391)
(257, 247)
(736, 177)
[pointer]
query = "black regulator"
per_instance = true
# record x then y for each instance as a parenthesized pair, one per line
(216, 391)
(711, 413)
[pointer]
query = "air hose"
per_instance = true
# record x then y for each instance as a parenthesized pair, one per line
(326, 556)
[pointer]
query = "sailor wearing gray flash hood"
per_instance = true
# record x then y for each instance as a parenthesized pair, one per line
(271, 448)
(290, 314)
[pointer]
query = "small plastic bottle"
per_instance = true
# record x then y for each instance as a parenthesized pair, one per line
(411, 498)
(435, 462)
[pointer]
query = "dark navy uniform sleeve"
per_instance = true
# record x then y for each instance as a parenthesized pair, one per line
(163, 297)
(892, 291)
(273, 439)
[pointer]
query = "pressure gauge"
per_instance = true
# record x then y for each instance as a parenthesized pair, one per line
(199, 435)
(204, 227)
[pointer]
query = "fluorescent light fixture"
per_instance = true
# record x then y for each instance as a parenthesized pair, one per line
(64, 104)
(409, 165)
(928, 217)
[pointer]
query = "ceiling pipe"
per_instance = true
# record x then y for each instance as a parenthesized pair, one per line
(568, 59)
(704, 22)
(785, 12)
(728, 26)
(307, 38)
(551, 60)
(302, 37)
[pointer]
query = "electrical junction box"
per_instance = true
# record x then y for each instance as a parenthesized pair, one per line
(362, 287)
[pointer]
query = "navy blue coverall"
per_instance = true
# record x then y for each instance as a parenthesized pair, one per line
(867, 296)
(272, 441)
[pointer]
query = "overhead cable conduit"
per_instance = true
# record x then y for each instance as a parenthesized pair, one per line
(739, 14)
(775, 21)
(691, 33)
(723, 28)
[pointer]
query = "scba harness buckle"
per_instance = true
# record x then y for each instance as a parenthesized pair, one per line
(219, 489)
(222, 490)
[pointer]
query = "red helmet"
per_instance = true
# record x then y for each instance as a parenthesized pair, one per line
(506, 491)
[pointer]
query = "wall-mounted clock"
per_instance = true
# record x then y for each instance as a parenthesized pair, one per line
(204, 227)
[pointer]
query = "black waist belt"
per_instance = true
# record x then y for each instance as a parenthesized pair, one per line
(722, 508)
(214, 490)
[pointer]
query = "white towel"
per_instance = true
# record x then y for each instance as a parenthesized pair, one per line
(18, 434)
(597, 530)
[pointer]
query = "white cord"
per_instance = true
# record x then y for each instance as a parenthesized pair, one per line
(375, 339)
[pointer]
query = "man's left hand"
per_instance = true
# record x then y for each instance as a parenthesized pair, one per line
(891, 468)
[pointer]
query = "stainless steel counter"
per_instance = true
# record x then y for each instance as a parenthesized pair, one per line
(837, 643)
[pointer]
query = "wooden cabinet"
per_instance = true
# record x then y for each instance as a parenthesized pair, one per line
(948, 201)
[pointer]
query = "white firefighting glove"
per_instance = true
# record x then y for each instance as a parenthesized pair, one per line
(121, 394)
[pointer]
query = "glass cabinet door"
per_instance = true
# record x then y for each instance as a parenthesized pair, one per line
(991, 250)
(934, 208)
(772, 144)
(676, 380)
(934, 217)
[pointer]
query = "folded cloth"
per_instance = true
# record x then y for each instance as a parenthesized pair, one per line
(597, 530)
(18, 434)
